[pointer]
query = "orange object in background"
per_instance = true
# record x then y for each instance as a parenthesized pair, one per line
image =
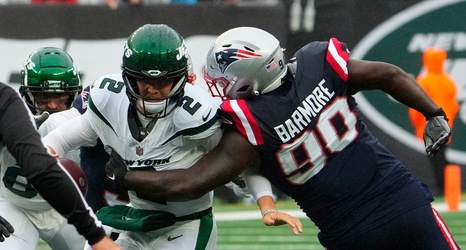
(439, 86)
(453, 187)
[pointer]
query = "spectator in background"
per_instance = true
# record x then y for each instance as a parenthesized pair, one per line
(442, 89)
(183, 1)
(54, 1)
(114, 4)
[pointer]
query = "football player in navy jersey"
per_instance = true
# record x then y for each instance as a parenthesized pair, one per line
(297, 124)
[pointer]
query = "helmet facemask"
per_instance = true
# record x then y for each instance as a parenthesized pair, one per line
(216, 86)
(155, 53)
(146, 105)
(34, 96)
(221, 87)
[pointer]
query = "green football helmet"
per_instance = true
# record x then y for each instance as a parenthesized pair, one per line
(49, 70)
(155, 52)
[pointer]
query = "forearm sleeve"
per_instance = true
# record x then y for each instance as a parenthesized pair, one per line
(258, 185)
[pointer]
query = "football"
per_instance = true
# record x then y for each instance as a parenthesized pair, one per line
(76, 172)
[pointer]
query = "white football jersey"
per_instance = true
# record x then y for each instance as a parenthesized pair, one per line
(176, 141)
(16, 188)
(55, 120)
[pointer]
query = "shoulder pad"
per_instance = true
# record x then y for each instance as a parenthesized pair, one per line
(103, 101)
(197, 108)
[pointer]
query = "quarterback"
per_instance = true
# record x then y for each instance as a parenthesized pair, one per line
(150, 117)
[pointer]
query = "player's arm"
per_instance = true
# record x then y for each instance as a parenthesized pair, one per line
(225, 162)
(18, 134)
(367, 75)
(261, 190)
(63, 139)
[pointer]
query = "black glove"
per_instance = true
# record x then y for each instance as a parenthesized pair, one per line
(116, 170)
(41, 118)
(5, 229)
(436, 133)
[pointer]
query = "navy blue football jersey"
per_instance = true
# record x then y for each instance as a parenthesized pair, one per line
(316, 149)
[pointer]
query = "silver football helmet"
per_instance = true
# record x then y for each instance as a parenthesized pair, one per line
(244, 61)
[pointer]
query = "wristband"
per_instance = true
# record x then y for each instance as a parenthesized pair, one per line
(439, 112)
(268, 211)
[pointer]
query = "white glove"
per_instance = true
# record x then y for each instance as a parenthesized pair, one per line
(436, 134)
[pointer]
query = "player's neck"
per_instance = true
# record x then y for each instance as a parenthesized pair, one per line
(146, 122)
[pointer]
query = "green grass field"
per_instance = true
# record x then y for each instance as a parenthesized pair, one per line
(251, 234)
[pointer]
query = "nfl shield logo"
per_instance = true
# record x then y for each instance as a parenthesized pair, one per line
(139, 151)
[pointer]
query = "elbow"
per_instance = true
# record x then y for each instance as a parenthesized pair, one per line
(392, 78)
(392, 74)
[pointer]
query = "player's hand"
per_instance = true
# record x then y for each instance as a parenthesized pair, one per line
(436, 134)
(279, 218)
(106, 244)
(41, 118)
(116, 170)
(5, 229)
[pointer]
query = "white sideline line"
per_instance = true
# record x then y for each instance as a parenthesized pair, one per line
(255, 214)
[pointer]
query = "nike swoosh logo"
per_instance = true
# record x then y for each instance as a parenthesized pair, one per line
(204, 118)
(170, 238)
(111, 177)
(126, 218)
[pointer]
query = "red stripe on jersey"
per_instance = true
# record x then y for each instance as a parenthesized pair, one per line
(444, 229)
(337, 56)
(244, 120)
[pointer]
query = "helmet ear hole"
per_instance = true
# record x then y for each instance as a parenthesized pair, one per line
(241, 89)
